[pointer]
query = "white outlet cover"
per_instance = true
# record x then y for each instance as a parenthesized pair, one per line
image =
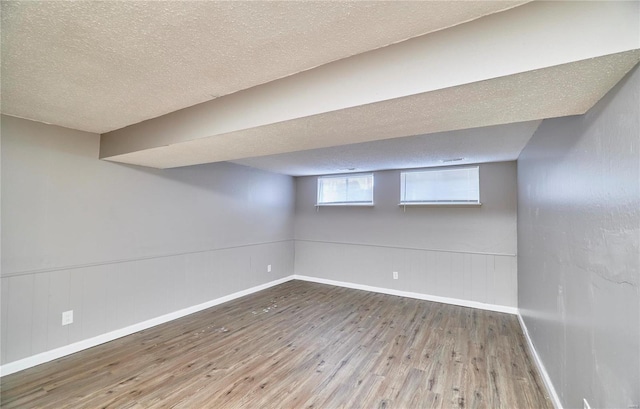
(269, 268)
(395, 275)
(67, 317)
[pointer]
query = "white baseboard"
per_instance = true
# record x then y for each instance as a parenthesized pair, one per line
(53, 354)
(408, 294)
(541, 369)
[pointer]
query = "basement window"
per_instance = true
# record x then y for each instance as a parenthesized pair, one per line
(455, 186)
(345, 190)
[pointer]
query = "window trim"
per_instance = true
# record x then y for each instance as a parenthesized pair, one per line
(439, 203)
(346, 204)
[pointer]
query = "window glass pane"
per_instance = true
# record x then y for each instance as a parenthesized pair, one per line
(360, 189)
(460, 185)
(332, 190)
(345, 189)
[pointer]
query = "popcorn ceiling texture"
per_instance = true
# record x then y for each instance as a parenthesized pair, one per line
(567, 89)
(498, 143)
(100, 66)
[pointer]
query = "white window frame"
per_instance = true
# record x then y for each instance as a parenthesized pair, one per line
(404, 202)
(346, 203)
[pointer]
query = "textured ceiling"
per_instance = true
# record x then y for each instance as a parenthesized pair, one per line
(475, 90)
(100, 66)
(478, 145)
(536, 61)
(567, 89)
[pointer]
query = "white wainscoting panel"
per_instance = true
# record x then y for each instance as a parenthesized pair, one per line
(117, 297)
(482, 279)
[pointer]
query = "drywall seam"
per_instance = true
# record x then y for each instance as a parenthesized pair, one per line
(129, 260)
(541, 369)
(408, 294)
(407, 248)
(53, 354)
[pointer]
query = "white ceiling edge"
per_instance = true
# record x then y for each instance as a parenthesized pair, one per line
(100, 66)
(499, 143)
(568, 89)
(536, 35)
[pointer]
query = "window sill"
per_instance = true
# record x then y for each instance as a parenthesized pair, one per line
(344, 205)
(440, 204)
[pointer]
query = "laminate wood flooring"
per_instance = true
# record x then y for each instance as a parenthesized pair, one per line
(299, 345)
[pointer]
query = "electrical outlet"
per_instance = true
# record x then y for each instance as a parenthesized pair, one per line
(269, 268)
(395, 275)
(67, 317)
(585, 404)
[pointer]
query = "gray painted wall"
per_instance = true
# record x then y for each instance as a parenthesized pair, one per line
(578, 249)
(120, 244)
(466, 252)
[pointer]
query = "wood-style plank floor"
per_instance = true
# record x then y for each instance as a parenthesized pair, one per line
(299, 345)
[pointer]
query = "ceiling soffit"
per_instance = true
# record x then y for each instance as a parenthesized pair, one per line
(100, 66)
(540, 60)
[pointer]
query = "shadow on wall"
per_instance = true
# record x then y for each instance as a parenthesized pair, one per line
(222, 178)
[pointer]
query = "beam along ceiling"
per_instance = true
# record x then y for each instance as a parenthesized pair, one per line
(295, 76)
(100, 66)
